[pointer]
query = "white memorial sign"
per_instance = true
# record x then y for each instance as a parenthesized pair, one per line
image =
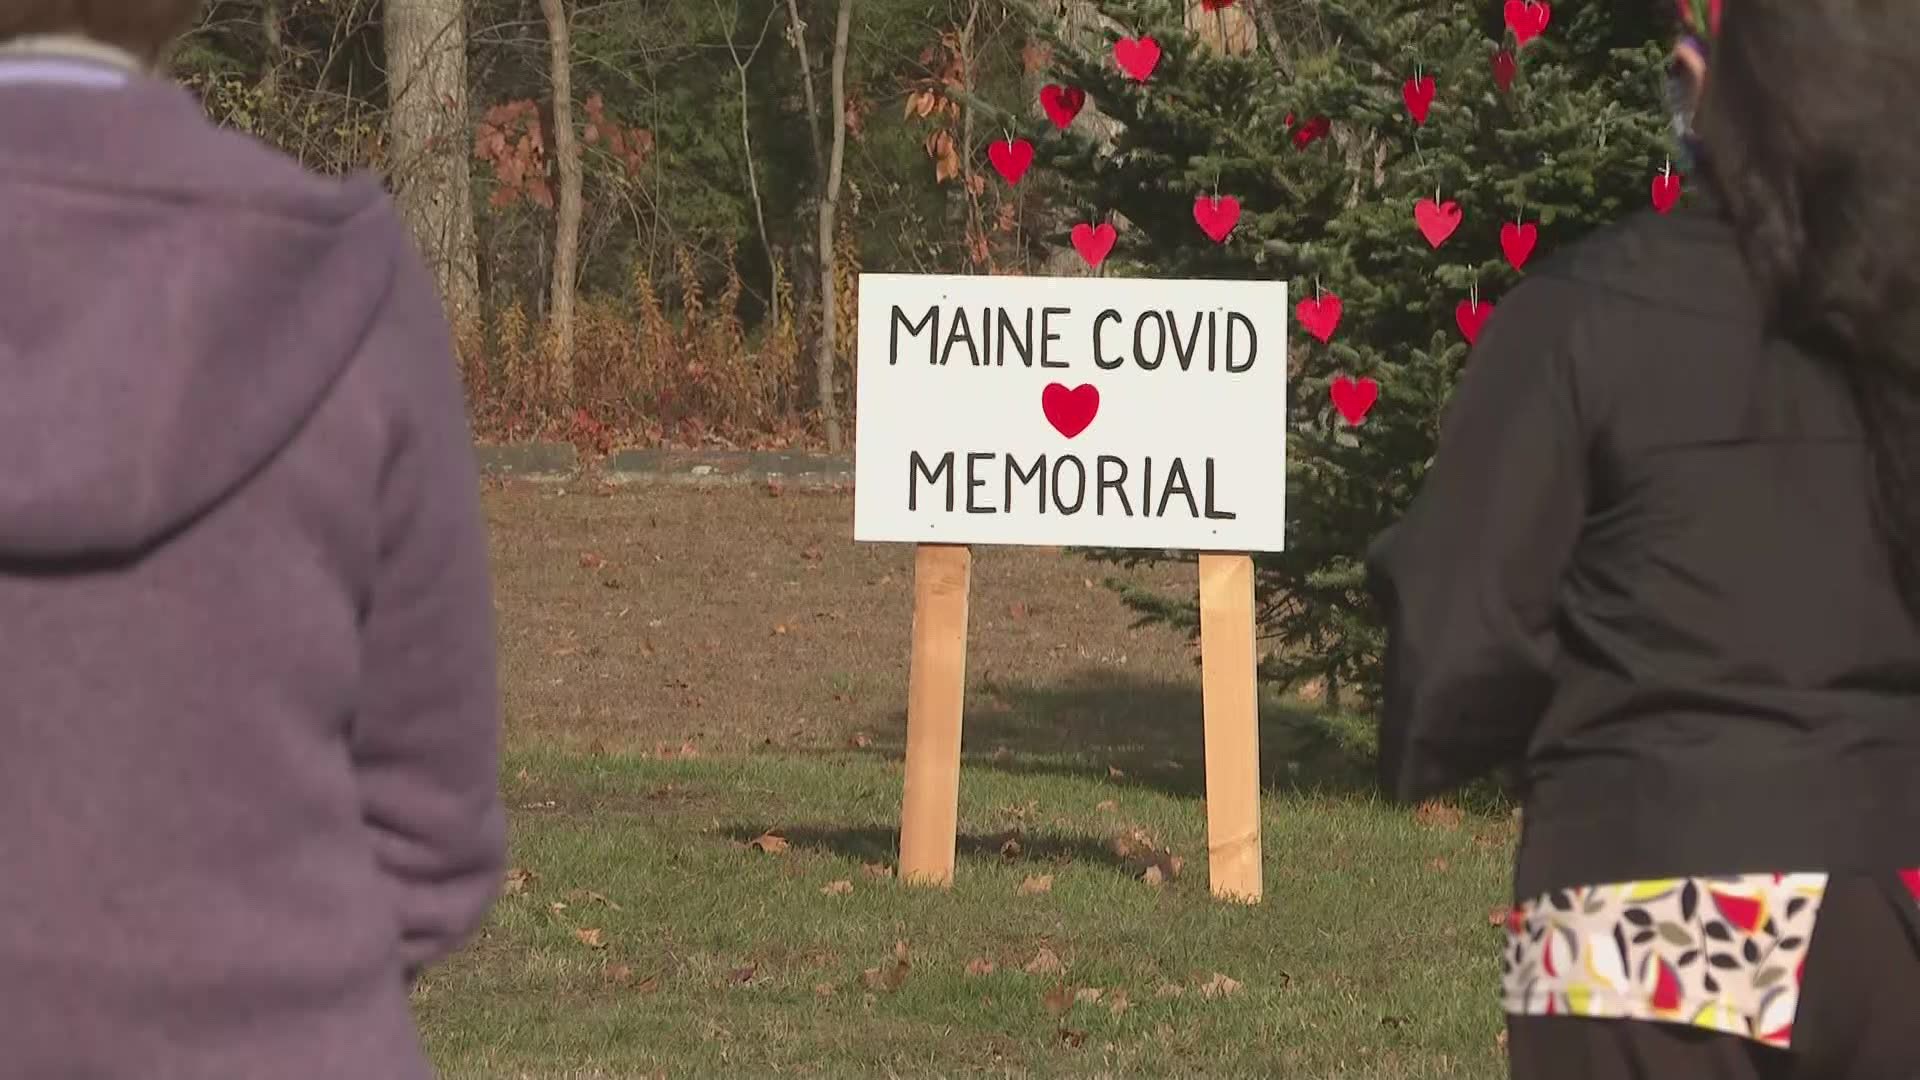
(1107, 412)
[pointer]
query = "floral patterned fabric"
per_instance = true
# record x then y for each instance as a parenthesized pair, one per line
(1723, 953)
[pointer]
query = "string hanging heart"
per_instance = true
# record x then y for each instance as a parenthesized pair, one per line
(1505, 67)
(1062, 104)
(1527, 19)
(1666, 190)
(1437, 220)
(1354, 397)
(1094, 242)
(1137, 57)
(1320, 316)
(1070, 411)
(1470, 316)
(1418, 94)
(1011, 159)
(1216, 215)
(1517, 240)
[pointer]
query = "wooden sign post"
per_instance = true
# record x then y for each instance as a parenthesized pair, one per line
(936, 698)
(1230, 700)
(1130, 413)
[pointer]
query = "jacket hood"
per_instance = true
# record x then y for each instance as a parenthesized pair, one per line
(175, 301)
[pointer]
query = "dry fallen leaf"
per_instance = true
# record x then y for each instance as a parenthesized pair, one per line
(1500, 1040)
(860, 740)
(620, 973)
(1036, 884)
(518, 879)
(1010, 848)
(743, 974)
(1045, 962)
(1115, 774)
(1057, 1000)
(879, 870)
(583, 896)
(1438, 815)
(1002, 755)
(591, 938)
(837, 888)
(823, 989)
(769, 843)
(1169, 990)
(1117, 1002)
(1153, 876)
(649, 985)
(592, 561)
(1438, 864)
(1106, 806)
(1071, 1037)
(979, 966)
(1086, 995)
(1219, 986)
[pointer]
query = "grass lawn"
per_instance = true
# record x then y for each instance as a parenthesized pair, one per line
(705, 889)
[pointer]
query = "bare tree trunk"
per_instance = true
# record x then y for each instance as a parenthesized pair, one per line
(427, 124)
(746, 147)
(829, 207)
(566, 229)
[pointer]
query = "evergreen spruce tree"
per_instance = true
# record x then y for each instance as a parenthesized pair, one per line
(1573, 141)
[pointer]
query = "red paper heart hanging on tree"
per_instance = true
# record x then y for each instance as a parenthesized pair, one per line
(1517, 240)
(1320, 316)
(1666, 190)
(1527, 19)
(1437, 221)
(1062, 104)
(1354, 397)
(1418, 94)
(1094, 242)
(1470, 316)
(1011, 159)
(1070, 411)
(1216, 215)
(1215, 5)
(1305, 134)
(1137, 56)
(1505, 67)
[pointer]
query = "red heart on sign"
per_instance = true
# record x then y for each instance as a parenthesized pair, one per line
(1527, 19)
(1070, 411)
(1437, 220)
(1137, 56)
(1319, 317)
(1011, 159)
(1354, 398)
(1666, 191)
(1517, 241)
(1062, 104)
(1471, 315)
(1504, 69)
(1418, 94)
(1094, 242)
(1216, 215)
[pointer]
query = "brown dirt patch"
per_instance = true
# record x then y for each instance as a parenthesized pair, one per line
(671, 620)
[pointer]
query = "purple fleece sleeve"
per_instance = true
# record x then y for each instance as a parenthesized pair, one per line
(426, 740)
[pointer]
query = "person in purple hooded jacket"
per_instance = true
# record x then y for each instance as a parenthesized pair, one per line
(248, 702)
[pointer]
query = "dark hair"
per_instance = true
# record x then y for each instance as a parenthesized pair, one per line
(142, 27)
(1813, 149)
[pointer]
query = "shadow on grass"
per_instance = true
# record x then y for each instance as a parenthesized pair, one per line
(876, 844)
(1096, 721)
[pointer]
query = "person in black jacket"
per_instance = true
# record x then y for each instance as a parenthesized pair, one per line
(1666, 566)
